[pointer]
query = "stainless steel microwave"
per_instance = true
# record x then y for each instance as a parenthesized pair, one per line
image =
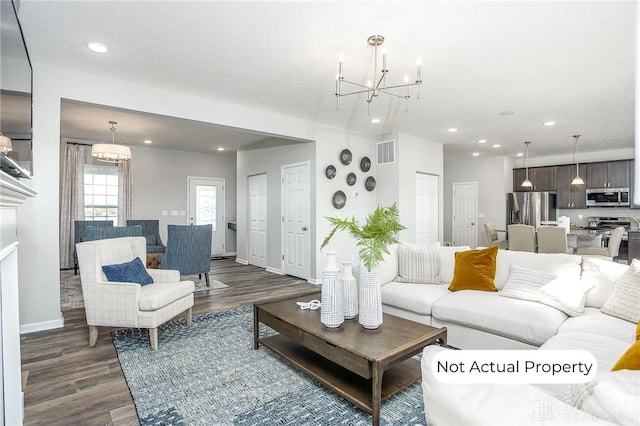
(608, 197)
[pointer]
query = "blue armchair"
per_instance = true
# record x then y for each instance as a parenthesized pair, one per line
(151, 231)
(80, 227)
(94, 233)
(188, 250)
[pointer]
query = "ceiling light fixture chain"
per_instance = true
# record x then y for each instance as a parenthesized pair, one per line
(577, 180)
(526, 183)
(111, 152)
(379, 84)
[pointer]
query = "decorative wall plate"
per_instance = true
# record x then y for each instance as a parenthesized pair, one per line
(346, 157)
(339, 199)
(330, 171)
(370, 183)
(365, 164)
(351, 179)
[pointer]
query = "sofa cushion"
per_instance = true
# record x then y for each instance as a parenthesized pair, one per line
(388, 266)
(624, 302)
(525, 283)
(556, 264)
(522, 320)
(159, 295)
(630, 360)
(602, 274)
(448, 261)
(411, 297)
(418, 264)
(128, 272)
(475, 270)
(593, 321)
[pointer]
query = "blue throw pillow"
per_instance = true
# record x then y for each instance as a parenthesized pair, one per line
(128, 272)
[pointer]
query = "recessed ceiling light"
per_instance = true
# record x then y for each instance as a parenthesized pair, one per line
(549, 123)
(507, 113)
(496, 145)
(476, 154)
(148, 141)
(519, 154)
(375, 120)
(482, 141)
(220, 148)
(96, 46)
(452, 129)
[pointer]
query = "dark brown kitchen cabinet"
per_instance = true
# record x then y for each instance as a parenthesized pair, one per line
(608, 174)
(543, 179)
(570, 196)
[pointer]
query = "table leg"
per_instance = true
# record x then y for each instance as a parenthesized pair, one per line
(376, 392)
(256, 327)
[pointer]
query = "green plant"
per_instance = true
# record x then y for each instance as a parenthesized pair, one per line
(379, 230)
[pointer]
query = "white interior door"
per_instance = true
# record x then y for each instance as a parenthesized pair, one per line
(427, 207)
(296, 220)
(465, 214)
(257, 220)
(206, 206)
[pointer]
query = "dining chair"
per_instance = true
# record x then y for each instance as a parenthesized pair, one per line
(521, 237)
(610, 252)
(552, 239)
(151, 231)
(188, 250)
(79, 228)
(493, 238)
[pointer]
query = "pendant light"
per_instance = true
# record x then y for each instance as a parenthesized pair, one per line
(111, 152)
(526, 183)
(577, 180)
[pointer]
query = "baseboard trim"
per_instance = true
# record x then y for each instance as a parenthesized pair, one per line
(242, 261)
(274, 270)
(41, 326)
(314, 281)
(229, 254)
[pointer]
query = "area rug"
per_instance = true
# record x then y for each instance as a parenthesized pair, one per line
(71, 288)
(210, 374)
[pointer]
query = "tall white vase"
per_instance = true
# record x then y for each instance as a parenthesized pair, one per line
(331, 313)
(370, 299)
(349, 291)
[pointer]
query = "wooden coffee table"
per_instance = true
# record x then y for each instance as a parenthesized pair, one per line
(349, 360)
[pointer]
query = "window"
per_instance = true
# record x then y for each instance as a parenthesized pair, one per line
(101, 193)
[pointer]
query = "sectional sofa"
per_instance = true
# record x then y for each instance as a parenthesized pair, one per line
(571, 318)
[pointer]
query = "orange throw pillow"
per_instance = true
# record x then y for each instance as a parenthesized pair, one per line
(630, 360)
(475, 270)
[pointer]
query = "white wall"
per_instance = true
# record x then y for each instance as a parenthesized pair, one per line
(494, 176)
(270, 161)
(160, 183)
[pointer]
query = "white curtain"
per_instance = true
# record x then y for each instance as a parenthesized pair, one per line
(125, 192)
(72, 200)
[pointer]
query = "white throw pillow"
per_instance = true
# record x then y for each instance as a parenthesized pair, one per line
(566, 296)
(603, 274)
(525, 283)
(448, 261)
(418, 264)
(624, 302)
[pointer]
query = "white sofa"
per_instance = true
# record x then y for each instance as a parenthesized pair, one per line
(487, 320)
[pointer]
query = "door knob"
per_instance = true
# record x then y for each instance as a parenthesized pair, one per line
(473, 223)
(304, 228)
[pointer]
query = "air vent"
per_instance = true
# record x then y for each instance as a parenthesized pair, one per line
(386, 152)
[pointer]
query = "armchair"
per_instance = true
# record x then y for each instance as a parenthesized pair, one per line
(94, 233)
(188, 250)
(122, 304)
(79, 228)
(151, 231)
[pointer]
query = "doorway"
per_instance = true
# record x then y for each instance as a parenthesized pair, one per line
(427, 208)
(465, 214)
(257, 216)
(296, 202)
(205, 201)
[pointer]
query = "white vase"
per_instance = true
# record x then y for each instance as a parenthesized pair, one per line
(370, 298)
(331, 313)
(349, 291)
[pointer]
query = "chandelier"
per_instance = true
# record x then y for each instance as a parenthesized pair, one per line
(111, 152)
(379, 83)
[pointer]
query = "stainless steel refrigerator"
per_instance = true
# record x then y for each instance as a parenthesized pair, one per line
(532, 208)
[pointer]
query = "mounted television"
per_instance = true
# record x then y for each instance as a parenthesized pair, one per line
(16, 82)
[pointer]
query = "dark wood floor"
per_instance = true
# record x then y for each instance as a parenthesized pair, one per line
(66, 382)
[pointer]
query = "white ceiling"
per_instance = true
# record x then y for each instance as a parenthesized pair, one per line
(571, 62)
